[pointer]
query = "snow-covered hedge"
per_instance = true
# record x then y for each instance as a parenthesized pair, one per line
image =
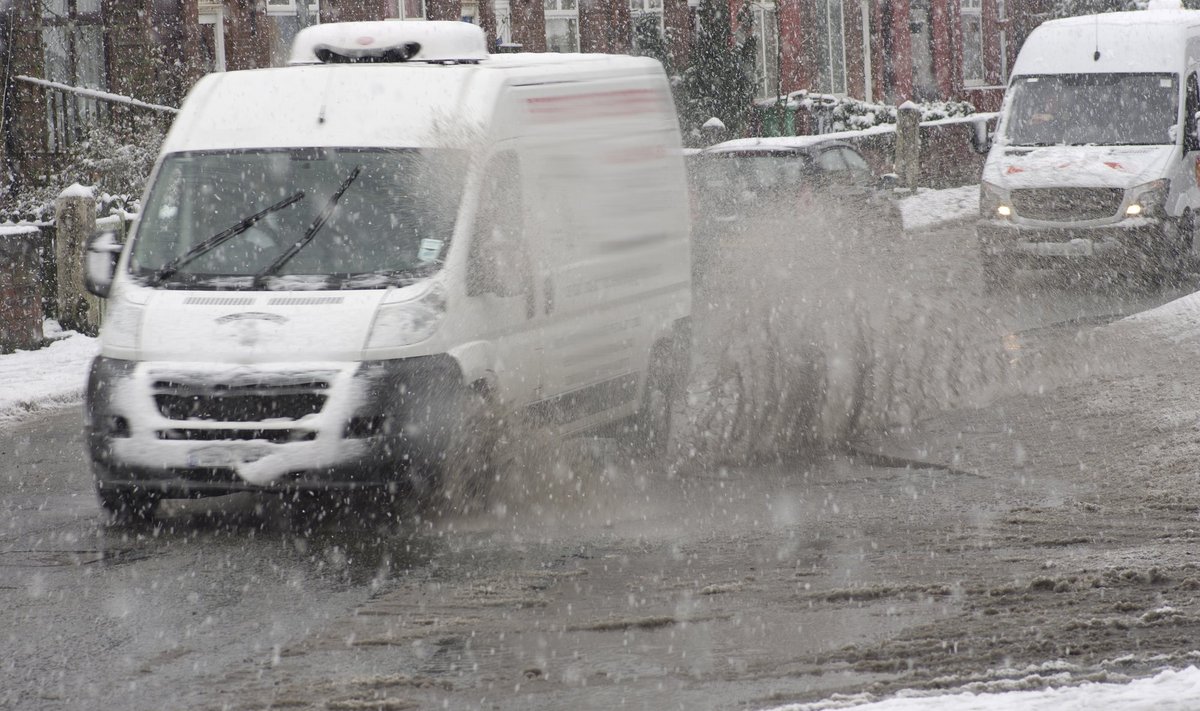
(839, 113)
(115, 160)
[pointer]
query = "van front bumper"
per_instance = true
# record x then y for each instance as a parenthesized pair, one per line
(1130, 243)
(194, 429)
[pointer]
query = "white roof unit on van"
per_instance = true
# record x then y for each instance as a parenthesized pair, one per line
(1139, 41)
(390, 41)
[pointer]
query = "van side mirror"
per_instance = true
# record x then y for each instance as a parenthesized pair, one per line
(888, 182)
(100, 262)
(1191, 137)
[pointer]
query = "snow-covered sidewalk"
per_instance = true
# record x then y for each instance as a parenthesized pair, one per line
(49, 377)
(1168, 691)
(930, 208)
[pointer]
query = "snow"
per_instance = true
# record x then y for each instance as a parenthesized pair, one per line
(1168, 691)
(97, 94)
(1178, 320)
(932, 208)
(77, 191)
(15, 230)
(54, 376)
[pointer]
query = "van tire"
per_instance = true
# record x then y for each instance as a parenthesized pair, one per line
(454, 467)
(1177, 256)
(125, 506)
(666, 377)
(997, 274)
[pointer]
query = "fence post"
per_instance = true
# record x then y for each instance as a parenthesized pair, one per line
(908, 144)
(20, 298)
(75, 221)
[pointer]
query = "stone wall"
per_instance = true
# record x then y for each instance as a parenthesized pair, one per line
(21, 251)
(949, 152)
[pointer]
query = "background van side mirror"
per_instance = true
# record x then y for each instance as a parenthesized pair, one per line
(1191, 137)
(100, 263)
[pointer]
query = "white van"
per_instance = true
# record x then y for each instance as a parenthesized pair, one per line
(1096, 155)
(342, 265)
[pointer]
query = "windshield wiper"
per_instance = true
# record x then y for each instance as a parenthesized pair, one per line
(310, 232)
(220, 238)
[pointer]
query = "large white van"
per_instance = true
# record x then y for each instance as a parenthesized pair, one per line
(342, 265)
(1096, 155)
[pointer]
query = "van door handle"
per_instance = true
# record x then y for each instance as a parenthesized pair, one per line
(549, 294)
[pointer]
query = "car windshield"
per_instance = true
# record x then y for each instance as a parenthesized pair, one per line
(349, 218)
(1096, 109)
(768, 172)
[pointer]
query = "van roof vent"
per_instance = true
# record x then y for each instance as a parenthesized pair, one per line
(435, 42)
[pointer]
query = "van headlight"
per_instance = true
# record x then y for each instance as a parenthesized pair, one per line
(404, 319)
(1148, 199)
(994, 202)
(122, 324)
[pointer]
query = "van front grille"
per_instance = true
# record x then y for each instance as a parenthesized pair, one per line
(1067, 204)
(241, 403)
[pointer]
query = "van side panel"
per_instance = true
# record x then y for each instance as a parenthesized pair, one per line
(606, 198)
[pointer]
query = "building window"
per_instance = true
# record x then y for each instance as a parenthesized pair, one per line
(647, 23)
(562, 25)
(411, 9)
(72, 53)
(766, 60)
(972, 42)
(212, 37)
(831, 28)
(285, 23)
(503, 22)
(647, 8)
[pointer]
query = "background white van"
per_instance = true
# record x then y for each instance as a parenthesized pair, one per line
(347, 269)
(1096, 154)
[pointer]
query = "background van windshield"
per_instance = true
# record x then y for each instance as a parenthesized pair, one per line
(1100, 109)
(395, 217)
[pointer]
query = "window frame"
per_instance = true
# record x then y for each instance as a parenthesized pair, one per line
(767, 63)
(971, 11)
(288, 7)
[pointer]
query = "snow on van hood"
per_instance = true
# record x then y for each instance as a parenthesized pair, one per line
(256, 327)
(1076, 166)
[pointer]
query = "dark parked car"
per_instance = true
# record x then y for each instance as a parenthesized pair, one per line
(731, 182)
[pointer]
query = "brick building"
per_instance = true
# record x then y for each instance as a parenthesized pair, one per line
(880, 50)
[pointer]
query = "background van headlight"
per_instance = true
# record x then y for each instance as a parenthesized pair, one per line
(1147, 199)
(994, 202)
(405, 318)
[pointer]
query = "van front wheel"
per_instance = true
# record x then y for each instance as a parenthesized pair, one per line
(125, 506)
(456, 452)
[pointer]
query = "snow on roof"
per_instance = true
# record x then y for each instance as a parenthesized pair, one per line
(329, 104)
(369, 105)
(1139, 41)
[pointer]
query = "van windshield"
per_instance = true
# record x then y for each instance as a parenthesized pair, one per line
(1093, 109)
(324, 218)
